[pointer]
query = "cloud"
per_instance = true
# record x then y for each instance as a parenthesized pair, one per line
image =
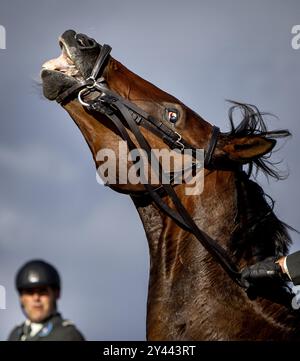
(37, 161)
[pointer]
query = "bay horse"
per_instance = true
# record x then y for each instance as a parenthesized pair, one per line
(194, 290)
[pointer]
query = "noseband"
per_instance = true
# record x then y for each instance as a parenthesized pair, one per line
(121, 111)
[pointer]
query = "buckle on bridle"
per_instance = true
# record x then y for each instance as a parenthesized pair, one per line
(90, 86)
(93, 82)
(80, 95)
(178, 142)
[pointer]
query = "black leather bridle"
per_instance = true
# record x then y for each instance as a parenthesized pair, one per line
(121, 111)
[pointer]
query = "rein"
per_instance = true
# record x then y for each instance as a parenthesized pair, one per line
(121, 111)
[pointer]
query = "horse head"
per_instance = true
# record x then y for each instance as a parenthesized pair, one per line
(76, 62)
(188, 292)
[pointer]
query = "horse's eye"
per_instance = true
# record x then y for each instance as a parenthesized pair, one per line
(172, 115)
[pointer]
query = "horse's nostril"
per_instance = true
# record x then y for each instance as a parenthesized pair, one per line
(91, 42)
(84, 42)
(81, 43)
(80, 40)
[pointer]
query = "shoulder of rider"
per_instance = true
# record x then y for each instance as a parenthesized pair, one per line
(54, 329)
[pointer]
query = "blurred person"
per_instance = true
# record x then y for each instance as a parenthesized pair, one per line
(38, 284)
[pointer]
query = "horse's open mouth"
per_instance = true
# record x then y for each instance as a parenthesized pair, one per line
(75, 63)
(63, 63)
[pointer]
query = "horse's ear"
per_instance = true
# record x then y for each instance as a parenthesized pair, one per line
(246, 148)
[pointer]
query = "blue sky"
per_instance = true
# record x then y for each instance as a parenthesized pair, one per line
(51, 206)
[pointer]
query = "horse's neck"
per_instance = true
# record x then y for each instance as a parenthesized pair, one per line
(190, 296)
(179, 266)
(214, 211)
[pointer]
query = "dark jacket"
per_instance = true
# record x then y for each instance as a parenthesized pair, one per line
(293, 266)
(54, 329)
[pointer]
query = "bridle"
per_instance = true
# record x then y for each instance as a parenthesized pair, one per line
(121, 111)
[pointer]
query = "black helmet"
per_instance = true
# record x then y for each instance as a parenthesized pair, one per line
(37, 273)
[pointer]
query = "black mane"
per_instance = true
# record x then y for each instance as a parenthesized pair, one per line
(259, 233)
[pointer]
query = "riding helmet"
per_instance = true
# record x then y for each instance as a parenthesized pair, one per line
(37, 273)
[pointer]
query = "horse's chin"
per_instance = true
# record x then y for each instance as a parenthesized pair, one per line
(55, 82)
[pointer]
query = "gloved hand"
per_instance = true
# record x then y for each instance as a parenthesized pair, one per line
(262, 271)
